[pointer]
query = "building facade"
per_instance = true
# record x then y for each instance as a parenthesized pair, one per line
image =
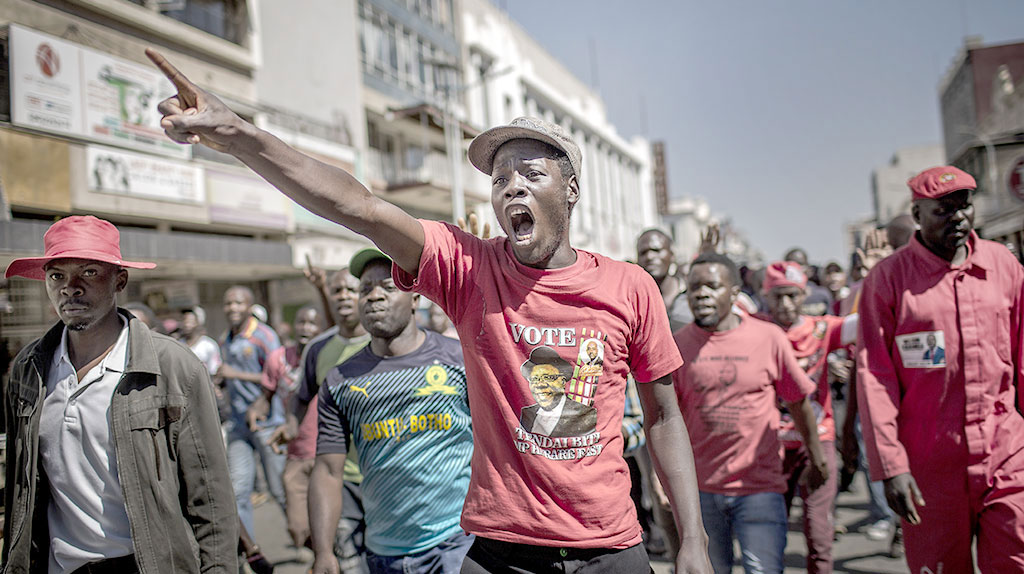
(507, 75)
(889, 192)
(80, 134)
(983, 127)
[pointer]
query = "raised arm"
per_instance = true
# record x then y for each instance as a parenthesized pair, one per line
(195, 116)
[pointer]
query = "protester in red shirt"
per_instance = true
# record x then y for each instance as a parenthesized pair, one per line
(947, 432)
(535, 501)
(280, 382)
(812, 338)
(735, 369)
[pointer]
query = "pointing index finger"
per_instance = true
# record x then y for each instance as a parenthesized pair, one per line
(186, 89)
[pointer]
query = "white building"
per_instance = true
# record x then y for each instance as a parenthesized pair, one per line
(889, 191)
(507, 74)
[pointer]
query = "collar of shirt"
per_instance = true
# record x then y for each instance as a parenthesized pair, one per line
(115, 360)
(935, 264)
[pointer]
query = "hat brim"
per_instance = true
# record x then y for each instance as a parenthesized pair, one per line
(360, 260)
(32, 267)
(484, 146)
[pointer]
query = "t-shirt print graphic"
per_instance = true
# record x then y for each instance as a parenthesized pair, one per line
(557, 413)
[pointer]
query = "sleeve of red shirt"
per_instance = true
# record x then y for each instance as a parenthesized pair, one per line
(652, 351)
(878, 387)
(444, 266)
(274, 369)
(1017, 339)
(792, 383)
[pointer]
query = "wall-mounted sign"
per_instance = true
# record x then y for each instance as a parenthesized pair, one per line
(114, 171)
(60, 87)
(241, 198)
(46, 82)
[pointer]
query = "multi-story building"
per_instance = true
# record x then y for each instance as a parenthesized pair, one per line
(889, 193)
(417, 138)
(983, 127)
(80, 135)
(506, 75)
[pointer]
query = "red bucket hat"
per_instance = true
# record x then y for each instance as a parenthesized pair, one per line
(76, 237)
(936, 182)
(783, 274)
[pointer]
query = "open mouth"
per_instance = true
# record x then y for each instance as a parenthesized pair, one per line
(521, 221)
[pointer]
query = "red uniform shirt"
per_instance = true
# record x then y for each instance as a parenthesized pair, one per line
(939, 366)
(727, 389)
(813, 338)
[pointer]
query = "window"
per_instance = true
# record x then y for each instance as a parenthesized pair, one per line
(227, 19)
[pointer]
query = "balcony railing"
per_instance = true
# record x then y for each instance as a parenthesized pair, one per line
(434, 169)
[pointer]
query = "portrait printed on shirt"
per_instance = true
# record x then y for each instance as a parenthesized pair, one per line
(556, 413)
(562, 423)
(922, 350)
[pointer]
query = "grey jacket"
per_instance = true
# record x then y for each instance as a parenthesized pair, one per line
(170, 458)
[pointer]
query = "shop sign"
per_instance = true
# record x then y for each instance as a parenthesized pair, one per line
(61, 87)
(124, 173)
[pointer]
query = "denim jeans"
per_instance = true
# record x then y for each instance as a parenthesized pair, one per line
(242, 444)
(349, 544)
(759, 523)
(878, 506)
(445, 558)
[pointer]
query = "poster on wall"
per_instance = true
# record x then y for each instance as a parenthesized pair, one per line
(120, 104)
(61, 87)
(114, 171)
(45, 82)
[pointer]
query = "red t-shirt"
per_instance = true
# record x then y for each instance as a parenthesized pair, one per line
(727, 389)
(281, 375)
(813, 339)
(547, 464)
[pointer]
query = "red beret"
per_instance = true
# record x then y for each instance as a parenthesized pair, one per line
(936, 182)
(783, 274)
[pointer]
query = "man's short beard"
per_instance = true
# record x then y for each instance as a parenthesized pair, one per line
(77, 325)
(708, 322)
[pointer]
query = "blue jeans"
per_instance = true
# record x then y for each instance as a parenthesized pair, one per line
(758, 522)
(445, 558)
(877, 504)
(242, 443)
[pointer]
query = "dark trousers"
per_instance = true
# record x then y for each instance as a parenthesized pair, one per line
(488, 556)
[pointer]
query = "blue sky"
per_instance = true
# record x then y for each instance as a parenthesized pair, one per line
(775, 111)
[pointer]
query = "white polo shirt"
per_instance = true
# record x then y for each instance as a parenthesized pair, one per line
(87, 516)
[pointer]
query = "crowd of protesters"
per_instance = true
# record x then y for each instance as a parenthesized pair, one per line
(549, 409)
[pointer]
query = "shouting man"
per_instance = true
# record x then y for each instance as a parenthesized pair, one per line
(532, 499)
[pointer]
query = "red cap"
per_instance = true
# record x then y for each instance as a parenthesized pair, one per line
(784, 274)
(935, 182)
(76, 237)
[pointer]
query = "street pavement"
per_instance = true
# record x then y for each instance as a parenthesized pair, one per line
(854, 553)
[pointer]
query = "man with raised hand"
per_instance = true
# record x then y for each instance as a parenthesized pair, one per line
(949, 433)
(115, 461)
(535, 502)
(340, 292)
